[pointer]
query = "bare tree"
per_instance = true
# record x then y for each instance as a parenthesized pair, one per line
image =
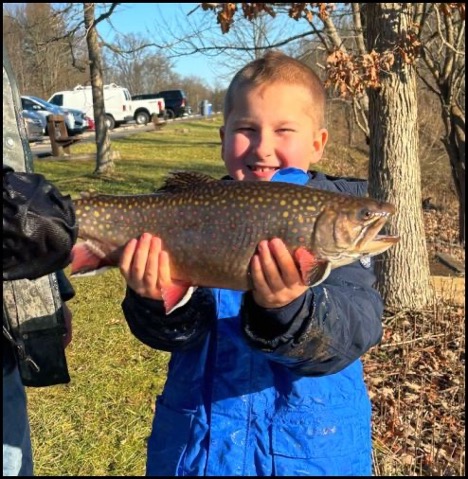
(441, 31)
(41, 62)
(394, 173)
(50, 45)
(140, 68)
(104, 161)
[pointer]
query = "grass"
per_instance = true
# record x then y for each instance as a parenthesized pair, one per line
(146, 159)
(98, 424)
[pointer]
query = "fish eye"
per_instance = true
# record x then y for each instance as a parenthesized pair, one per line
(366, 214)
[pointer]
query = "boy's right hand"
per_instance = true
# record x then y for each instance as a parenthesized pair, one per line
(145, 266)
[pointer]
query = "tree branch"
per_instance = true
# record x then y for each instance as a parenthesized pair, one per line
(358, 28)
(105, 15)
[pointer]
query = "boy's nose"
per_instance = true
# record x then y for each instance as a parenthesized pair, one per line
(264, 147)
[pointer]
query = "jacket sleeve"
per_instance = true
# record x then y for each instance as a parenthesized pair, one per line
(181, 330)
(324, 330)
(39, 226)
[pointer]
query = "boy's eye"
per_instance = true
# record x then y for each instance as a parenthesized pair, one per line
(281, 130)
(245, 128)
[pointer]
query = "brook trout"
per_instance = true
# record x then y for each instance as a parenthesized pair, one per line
(211, 229)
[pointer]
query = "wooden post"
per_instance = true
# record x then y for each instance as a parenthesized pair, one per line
(57, 131)
(58, 134)
(158, 122)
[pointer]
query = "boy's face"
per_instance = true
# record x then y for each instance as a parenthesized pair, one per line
(270, 128)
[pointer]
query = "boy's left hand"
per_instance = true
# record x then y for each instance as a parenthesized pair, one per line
(276, 279)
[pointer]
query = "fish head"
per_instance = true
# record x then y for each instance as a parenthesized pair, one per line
(348, 229)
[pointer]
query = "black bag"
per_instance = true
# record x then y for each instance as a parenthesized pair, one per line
(37, 341)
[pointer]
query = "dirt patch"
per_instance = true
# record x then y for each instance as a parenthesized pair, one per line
(441, 228)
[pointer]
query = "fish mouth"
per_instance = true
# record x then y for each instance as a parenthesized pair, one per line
(370, 242)
(379, 244)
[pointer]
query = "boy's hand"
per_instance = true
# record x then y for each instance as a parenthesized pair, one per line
(276, 279)
(145, 266)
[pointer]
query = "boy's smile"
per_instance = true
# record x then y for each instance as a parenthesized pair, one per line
(262, 172)
(270, 128)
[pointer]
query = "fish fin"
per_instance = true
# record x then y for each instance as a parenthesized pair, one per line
(183, 179)
(94, 272)
(87, 260)
(313, 270)
(88, 194)
(178, 294)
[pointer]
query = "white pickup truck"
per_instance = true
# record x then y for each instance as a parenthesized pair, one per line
(143, 110)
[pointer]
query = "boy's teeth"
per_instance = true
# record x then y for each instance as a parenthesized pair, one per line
(263, 168)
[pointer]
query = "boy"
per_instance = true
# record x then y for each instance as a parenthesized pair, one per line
(266, 382)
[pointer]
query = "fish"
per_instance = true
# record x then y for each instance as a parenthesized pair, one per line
(211, 229)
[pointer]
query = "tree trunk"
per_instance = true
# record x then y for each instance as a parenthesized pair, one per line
(403, 275)
(104, 163)
(454, 143)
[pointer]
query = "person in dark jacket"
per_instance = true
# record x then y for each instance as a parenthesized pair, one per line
(269, 381)
(39, 231)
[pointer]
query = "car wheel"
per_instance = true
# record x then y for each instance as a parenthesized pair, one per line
(141, 118)
(110, 122)
(170, 115)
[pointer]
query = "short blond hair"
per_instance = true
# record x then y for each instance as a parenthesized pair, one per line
(274, 67)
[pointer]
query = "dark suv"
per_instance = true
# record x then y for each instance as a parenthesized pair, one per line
(175, 101)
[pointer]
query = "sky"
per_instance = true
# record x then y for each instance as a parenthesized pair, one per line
(144, 19)
(139, 18)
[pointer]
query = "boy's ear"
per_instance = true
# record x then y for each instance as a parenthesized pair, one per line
(319, 144)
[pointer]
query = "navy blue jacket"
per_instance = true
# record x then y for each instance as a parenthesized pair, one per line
(252, 391)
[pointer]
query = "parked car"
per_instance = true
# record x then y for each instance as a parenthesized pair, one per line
(90, 124)
(117, 102)
(34, 124)
(175, 102)
(146, 108)
(74, 119)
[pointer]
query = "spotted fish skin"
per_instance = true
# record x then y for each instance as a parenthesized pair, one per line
(211, 228)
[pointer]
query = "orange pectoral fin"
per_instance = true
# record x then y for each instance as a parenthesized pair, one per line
(86, 262)
(176, 295)
(313, 271)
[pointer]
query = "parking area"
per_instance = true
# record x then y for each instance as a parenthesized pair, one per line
(43, 148)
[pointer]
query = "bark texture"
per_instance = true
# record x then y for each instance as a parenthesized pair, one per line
(394, 171)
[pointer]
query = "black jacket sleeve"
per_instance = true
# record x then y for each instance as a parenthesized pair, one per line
(39, 226)
(181, 330)
(324, 330)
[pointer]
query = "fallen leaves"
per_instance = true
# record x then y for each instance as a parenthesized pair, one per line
(416, 384)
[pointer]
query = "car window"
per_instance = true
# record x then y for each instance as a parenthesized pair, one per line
(57, 100)
(44, 104)
(27, 104)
